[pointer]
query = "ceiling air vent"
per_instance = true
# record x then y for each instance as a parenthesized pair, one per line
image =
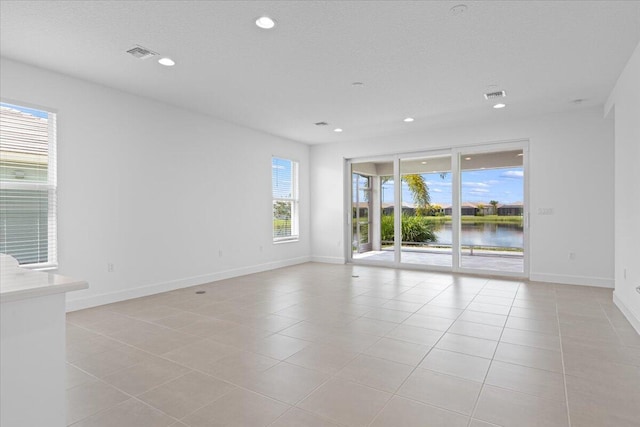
(141, 52)
(321, 123)
(494, 95)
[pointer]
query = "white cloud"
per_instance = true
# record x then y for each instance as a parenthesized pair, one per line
(512, 174)
(479, 191)
(475, 184)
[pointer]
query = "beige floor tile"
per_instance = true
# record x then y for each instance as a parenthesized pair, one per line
(484, 318)
(322, 358)
(90, 398)
(148, 374)
(238, 408)
(208, 327)
(239, 366)
(457, 364)
(107, 362)
(130, 413)
(240, 336)
(278, 346)
(79, 348)
(377, 373)
(285, 382)
(398, 351)
(604, 401)
(478, 423)
(415, 334)
(468, 345)
(533, 314)
(375, 327)
(307, 331)
(441, 390)
(544, 384)
(346, 402)
(446, 312)
(533, 325)
(508, 408)
(201, 353)
(408, 413)
(185, 394)
(411, 307)
(388, 315)
(529, 356)
(295, 417)
(179, 320)
(429, 322)
(492, 299)
(502, 310)
(350, 341)
(477, 330)
(531, 339)
(75, 376)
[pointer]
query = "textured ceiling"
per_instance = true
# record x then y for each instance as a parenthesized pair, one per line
(415, 58)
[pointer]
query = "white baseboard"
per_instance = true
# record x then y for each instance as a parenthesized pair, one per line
(635, 322)
(601, 282)
(143, 291)
(327, 259)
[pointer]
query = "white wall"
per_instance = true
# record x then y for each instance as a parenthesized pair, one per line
(156, 190)
(571, 171)
(625, 99)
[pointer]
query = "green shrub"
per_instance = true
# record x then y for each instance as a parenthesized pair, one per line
(417, 229)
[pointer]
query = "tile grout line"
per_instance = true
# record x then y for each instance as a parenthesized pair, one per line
(564, 373)
(423, 357)
(475, 405)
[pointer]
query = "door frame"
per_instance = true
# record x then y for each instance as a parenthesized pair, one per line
(455, 152)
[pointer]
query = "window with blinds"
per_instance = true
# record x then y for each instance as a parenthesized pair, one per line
(284, 185)
(28, 185)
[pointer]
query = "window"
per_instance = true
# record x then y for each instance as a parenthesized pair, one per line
(284, 184)
(28, 185)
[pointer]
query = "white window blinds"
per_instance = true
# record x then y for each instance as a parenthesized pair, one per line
(28, 185)
(284, 184)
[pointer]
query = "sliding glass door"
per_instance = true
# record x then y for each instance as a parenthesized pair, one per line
(456, 210)
(492, 211)
(426, 200)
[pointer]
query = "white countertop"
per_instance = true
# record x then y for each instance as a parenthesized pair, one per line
(18, 283)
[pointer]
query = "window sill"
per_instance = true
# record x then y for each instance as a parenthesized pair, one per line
(292, 240)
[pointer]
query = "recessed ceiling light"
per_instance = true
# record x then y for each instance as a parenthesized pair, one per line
(265, 22)
(337, 130)
(424, 163)
(497, 106)
(408, 119)
(467, 158)
(167, 62)
(520, 154)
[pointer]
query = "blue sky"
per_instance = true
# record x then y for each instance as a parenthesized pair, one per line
(33, 112)
(504, 185)
(281, 177)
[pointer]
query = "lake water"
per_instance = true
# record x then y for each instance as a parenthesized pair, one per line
(484, 234)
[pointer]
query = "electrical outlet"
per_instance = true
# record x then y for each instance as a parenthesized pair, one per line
(220, 253)
(572, 256)
(260, 248)
(624, 273)
(110, 267)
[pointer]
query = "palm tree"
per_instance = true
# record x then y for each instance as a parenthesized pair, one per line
(494, 203)
(419, 190)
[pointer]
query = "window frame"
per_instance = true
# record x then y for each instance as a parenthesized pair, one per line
(51, 185)
(294, 200)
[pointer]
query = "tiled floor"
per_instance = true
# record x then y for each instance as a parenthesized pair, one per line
(334, 345)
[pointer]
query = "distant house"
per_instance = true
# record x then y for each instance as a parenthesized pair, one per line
(466, 209)
(511, 209)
